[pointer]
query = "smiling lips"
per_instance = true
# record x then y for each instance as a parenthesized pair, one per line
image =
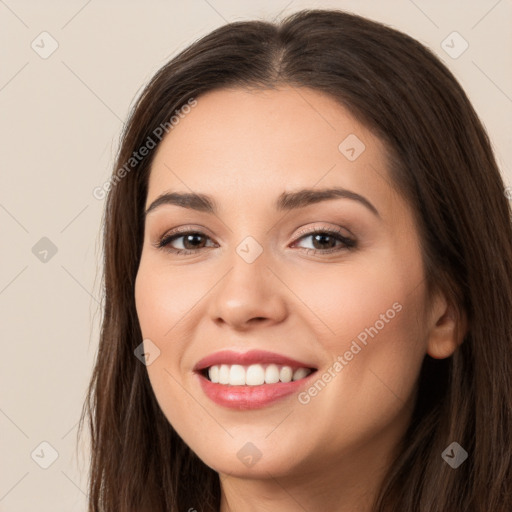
(252, 379)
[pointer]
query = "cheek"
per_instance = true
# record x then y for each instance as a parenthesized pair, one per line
(160, 305)
(372, 312)
(165, 297)
(167, 301)
(352, 297)
(162, 301)
(378, 384)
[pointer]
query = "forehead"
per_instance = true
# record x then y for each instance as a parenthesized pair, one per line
(248, 143)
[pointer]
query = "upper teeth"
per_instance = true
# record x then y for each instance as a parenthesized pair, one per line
(255, 374)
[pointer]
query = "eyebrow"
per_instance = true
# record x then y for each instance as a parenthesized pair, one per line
(285, 202)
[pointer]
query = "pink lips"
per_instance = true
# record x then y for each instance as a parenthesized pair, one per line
(249, 397)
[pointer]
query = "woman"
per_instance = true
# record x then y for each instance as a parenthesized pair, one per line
(308, 268)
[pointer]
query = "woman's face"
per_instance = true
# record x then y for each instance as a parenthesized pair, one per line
(348, 302)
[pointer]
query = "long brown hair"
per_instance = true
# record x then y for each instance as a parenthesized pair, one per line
(440, 159)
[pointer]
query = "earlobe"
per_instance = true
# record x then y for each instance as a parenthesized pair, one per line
(447, 330)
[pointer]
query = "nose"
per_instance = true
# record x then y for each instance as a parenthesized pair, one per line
(248, 295)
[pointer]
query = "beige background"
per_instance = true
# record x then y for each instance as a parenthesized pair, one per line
(60, 121)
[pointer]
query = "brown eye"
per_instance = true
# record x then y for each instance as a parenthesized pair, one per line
(190, 241)
(327, 241)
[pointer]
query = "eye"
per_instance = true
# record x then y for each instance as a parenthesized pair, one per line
(191, 242)
(326, 241)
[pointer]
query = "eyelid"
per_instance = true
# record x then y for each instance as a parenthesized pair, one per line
(182, 229)
(325, 227)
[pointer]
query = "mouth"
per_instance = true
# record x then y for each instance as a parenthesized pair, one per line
(251, 380)
(254, 374)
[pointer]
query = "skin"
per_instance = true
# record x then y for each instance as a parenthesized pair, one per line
(244, 148)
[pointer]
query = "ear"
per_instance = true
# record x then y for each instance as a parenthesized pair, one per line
(447, 329)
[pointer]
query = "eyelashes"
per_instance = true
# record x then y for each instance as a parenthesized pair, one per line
(165, 241)
(318, 237)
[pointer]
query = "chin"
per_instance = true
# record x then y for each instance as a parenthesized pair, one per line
(250, 459)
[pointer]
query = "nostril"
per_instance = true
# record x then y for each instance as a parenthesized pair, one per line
(258, 319)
